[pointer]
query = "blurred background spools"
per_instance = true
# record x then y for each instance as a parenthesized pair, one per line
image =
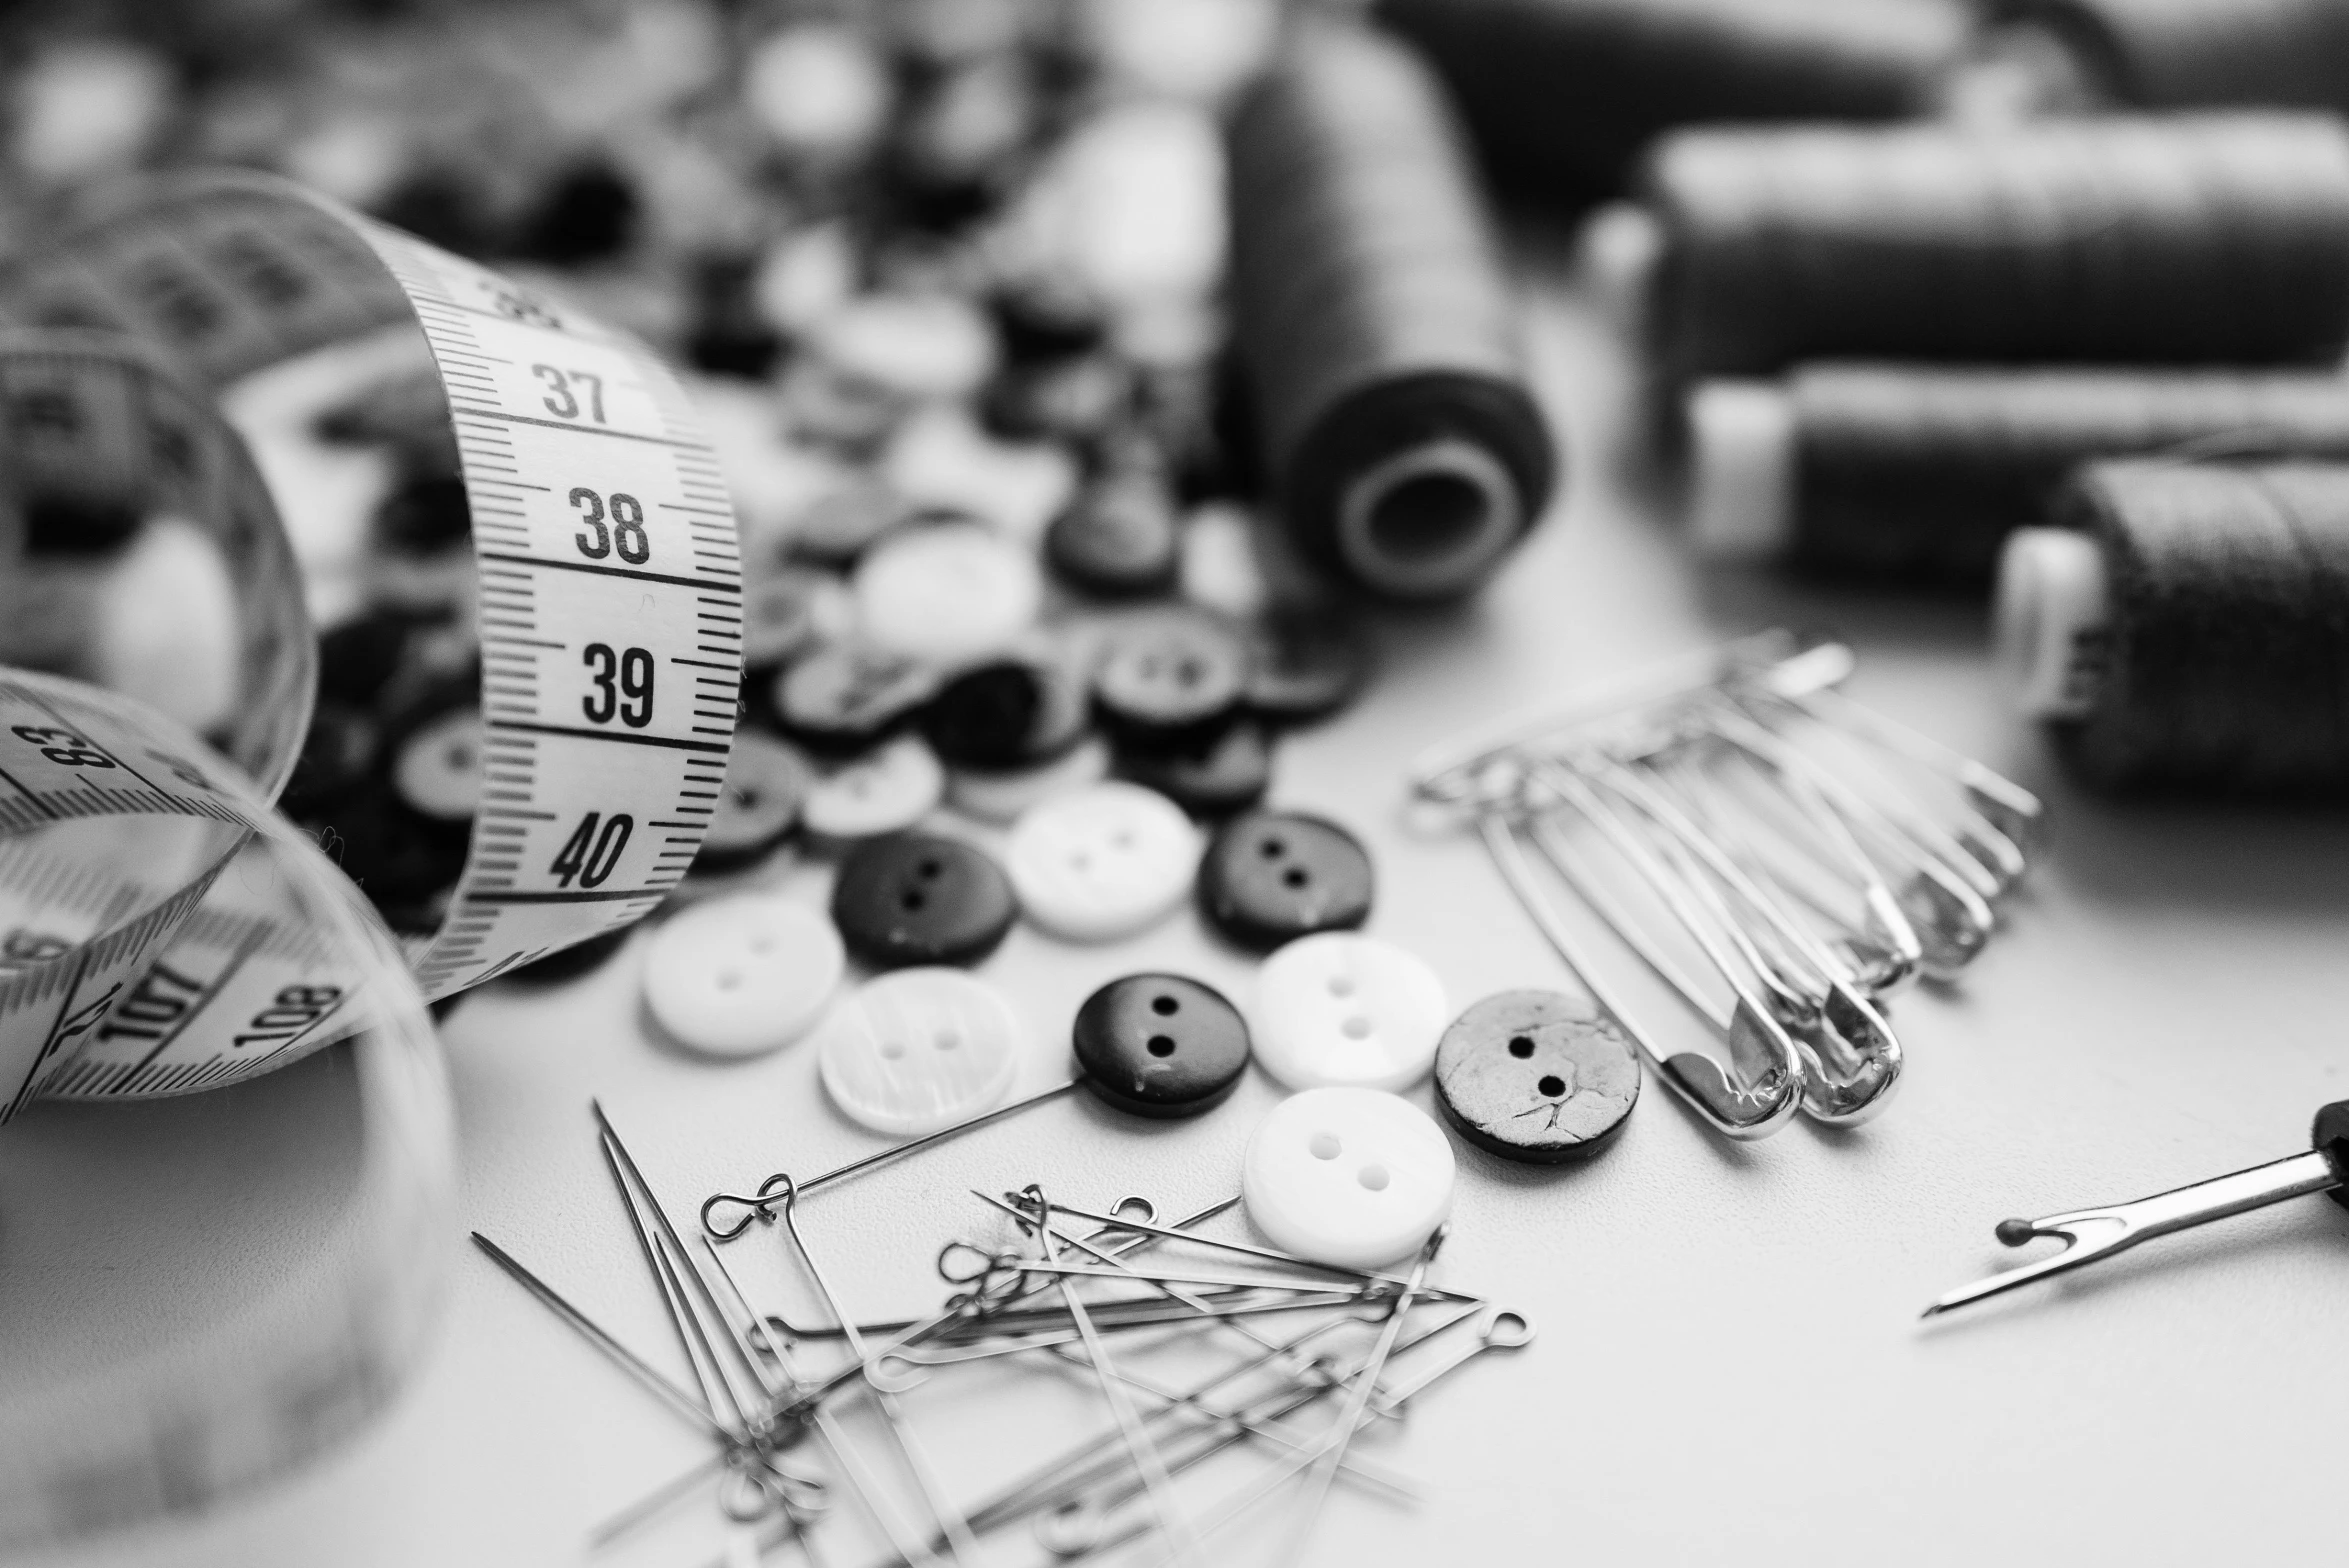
(2176, 54)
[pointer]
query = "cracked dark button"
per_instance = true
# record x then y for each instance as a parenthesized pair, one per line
(1168, 677)
(766, 784)
(1160, 1045)
(1304, 665)
(919, 898)
(847, 699)
(1226, 774)
(1536, 1076)
(1272, 876)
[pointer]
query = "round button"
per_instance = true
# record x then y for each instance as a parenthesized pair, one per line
(920, 1050)
(1304, 665)
(947, 594)
(1009, 713)
(437, 768)
(849, 698)
(743, 975)
(788, 610)
(917, 898)
(1102, 862)
(1120, 538)
(845, 521)
(1342, 1008)
(1273, 876)
(1161, 1045)
(338, 758)
(885, 791)
(1167, 676)
(1213, 778)
(766, 782)
(1350, 1177)
(1002, 797)
(1537, 1076)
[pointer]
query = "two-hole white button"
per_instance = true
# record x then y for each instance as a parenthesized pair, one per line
(884, 791)
(1354, 1177)
(742, 975)
(1102, 862)
(919, 1050)
(1342, 1008)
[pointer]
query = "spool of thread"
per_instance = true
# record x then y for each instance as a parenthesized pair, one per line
(1374, 322)
(2190, 635)
(1919, 472)
(2220, 239)
(1563, 95)
(2178, 54)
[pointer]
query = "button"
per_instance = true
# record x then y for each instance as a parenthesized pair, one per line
(1342, 1008)
(1537, 1076)
(788, 610)
(337, 760)
(1346, 1176)
(1161, 1046)
(948, 594)
(847, 520)
(1168, 676)
(1304, 665)
(1220, 568)
(766, 782)
(436, 769)
(1102, 862)
(917, 898)
(1004, 797)
(1273, 876)
(920, 1050)
(916, 345)
(743, 975)
(846, 698)
(941, 457)
(1120, 538)
(424, 515)
(1215, 778)
(885, 791)
(1076, 400)
(1009, 713)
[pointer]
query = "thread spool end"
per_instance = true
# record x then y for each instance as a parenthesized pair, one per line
(1741, 464)
(1429, 522)
(1616, 254)
(2049, 626)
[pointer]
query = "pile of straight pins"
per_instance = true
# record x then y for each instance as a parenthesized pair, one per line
(1780, 857)
(1300, 1360)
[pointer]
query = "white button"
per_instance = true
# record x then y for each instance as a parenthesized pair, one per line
(941, 457)
(949, 594)
(1352, 1177)
(817, 89)
(884, 792)
(1343, 1008)
(742, 975)
(438, 771)
(919, 1050)
(1001, 797)
(918, 345)
(1102, 862)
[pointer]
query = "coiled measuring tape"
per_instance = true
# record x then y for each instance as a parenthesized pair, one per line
(161, 930)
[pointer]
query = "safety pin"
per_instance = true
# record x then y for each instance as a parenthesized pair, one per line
(1749, 1108)
(2016, 813)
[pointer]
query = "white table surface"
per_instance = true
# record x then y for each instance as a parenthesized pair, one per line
(1730, 1366)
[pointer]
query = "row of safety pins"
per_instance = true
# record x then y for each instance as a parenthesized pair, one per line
(1737, 814)
(1073, 1291)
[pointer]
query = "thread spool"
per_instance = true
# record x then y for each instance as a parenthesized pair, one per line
(1920, 472)
(1375, 323)
(2220, 239)
(1562, 95)
(2190, 635)
(2175, 54)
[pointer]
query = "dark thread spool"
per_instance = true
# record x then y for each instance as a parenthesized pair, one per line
(2186, 240)
(1919, 473)
(1375, 323)
(2182, 54)
(2209, 652)
(1563, 95)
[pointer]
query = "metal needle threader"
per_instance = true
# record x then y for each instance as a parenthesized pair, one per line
(2091, 1234)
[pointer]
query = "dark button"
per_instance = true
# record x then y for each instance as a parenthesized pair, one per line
(917, 898)
(1120, 537)
(766, 783)
(1048, 314)
(396, 857)
(78, 525)
(424, 515)
(1160, 1046)
(846, 699)
(337, 760)
(357, 659)
(586, 213)
(1013, 713)
(1304, 665)
(569, 963)
(782, 610)
(1537, 1076)
(1273, 876)
(1169, 676)
(1227, 773)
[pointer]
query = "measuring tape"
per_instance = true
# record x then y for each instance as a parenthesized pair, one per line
(161, 930)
